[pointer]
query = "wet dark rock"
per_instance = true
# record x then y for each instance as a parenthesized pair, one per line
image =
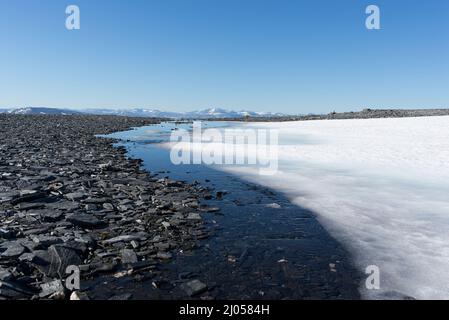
(103, 267)
(147, 264)
(122, 296)
(194, 287)
(208, 196)
(16, 289)
(7, 293)
(211, 209)
(164, 255)
(194, 216)
(220, 194)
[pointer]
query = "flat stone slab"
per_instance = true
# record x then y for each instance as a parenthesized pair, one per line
(194, 287)
(85, 221)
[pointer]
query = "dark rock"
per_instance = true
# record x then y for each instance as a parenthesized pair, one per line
(30, 206)
(108, 206)
(13, 249)
(164, 255)
(56, 194)
(220, 194)
(42, 259)
(60, 258)
(76, 196)
(143, 264)
(35, 231)
(128, 256)
(91, 207)
(5, 275)
(122, 238)
(51, 215)
(194, 287)
(27, 256)
(103, 267)
(64, 205)
(121, 297)
(85, 221)
(17, 287)
(96, 200)
(54, 289)
(45, 241)
(78, 246)
(6, 234)
(162, 246)
(194, 216)
(28, 197)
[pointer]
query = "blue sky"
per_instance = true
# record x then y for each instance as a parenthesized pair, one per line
(264, 55)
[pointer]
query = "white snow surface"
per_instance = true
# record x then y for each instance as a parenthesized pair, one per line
(380, 187)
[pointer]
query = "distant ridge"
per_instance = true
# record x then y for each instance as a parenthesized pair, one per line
(223, 114)
(364, 114)
(39, 110)
(211, 113)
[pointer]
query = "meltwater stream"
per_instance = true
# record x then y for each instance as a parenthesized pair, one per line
(261, 246)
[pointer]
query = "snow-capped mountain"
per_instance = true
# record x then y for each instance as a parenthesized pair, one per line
(136, 112)
(39, 110)
(223, 113)
(211, 113)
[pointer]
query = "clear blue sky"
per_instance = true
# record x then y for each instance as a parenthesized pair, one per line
(263, 55)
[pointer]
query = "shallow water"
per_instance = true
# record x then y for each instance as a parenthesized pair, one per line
(257, 250)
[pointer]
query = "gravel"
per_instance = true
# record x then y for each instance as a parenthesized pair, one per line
(68, 197)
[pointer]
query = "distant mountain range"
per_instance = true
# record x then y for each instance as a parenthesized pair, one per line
(39, 110)
(212, 113)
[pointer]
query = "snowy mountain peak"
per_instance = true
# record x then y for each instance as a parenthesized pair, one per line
(210, 113)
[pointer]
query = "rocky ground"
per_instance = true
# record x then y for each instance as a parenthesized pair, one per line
(364, 114)
(69, 198)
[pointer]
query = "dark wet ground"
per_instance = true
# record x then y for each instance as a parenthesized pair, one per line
(261, 245)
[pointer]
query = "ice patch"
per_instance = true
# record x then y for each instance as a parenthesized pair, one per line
(380, 186)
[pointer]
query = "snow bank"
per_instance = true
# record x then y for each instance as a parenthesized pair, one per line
(380, 186)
